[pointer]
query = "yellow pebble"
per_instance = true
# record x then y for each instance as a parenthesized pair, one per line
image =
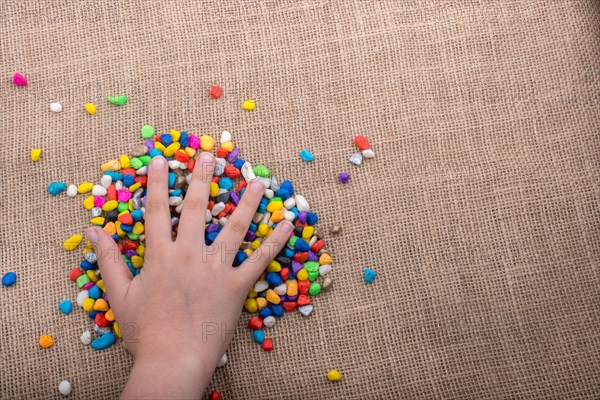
(85, 187)
(138, 228)
(138, 262)
(325, 259)
(117, 330)
(273, 297)
(250, 305)
(252, 294)
(35, 154)
(261, 302)
(190, 152)
(274, 266)
(334, 375)
(135, 187)
(46, 341)
(141, 250)
(97, 221)
(110, 205)
(159, 146)
(214, 189)
(172, 149)
(100, 284)
(262, 230)
(120, 231)
(255, 244)
(90, 108)
(109, 315)
(125, 161)
(227, 146)
(112, 165)
(274, 205)
(207, 142)
(302, 275)
(175, 135)
(72, 242)
(88, 202)
(100, 305)
(248, 252)
(307, 232)
(88, 304)
(92, 275)
(249, 105)
(291, 287)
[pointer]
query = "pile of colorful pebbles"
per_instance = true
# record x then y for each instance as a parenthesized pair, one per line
(116, 204)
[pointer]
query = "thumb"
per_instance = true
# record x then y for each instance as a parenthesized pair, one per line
(114, 271)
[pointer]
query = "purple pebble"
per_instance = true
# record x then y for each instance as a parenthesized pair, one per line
(292, 298)
(130, 253)
(231, 157)
(302, 215)
(149, 144)
(312, 256)
(250, 236)
(344, 177)
(212, 228)
(296, 266)
(283, 297)
(233, 196)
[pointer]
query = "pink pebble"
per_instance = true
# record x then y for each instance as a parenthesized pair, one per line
(99, 201)
(123, 195)
(19, 79)
(194, 142)
(88, 286)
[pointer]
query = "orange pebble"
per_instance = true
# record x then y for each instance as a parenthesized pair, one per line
(101, 305)
(277, 216)
(110, 228)
(110, 316)
(46, 341)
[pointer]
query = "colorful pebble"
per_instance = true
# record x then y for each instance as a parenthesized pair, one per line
(46, 341)
(9, 279)
(71, 243)
(35, 154)
(344, 177)
(66, 306)
(90, 108)
(147, 131)
(64, 388)
(306, 155)
(19, 79)
(56, 187)
(334, 375)
(215, 92)
(56, 107)
(356, 159)
(370, 275)
(119, 100)
(249, 105)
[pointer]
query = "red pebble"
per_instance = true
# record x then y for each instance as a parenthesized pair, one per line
(101, 320)
(284, 273)
(267, 345)
(303, 286)
(141, 179)
(361, 142)
(289, 306)
(318, 245)
(130, 244)
(74, 274)
(191, 165)
(232, 172)
(112, 192)
(215, 179)
(216, 92)
(182, 157)
(241, 185)
(303, 300)
(120, 246)
(255, 323)
(211, 204)
(301, 257)
(298, 223)
(222, 153)
(129, 171)
(126, 219)
(157, 138)
(214, 395)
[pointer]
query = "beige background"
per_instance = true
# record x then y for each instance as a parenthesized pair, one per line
(480, 212)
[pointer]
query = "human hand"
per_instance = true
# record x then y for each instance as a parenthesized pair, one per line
(185, 303)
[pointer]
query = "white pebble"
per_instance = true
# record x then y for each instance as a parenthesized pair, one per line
(179, 208)
(175, 200)
(225, 137)
(222, 361)
(99, 190)
(220, 164)
(269, 194)
(217, 208)
(306, 310)
(64, 388)
(281, 289)
(368, 153)
(100, 330)
(56, 107)
(289, 203)
(301, 203)
(183, 166)
(223, 221)
(289, 216)
(86, 337)
(174, 164)
(119, 185)
(266, 218)
(265, 181)
(142, 171)
(269, 321)
(247, 172)
(188, 178)
(356, 159)
(324, 269)
(106, 181)
(208, 217)
(261, 286)
(72, 191)
(312, 241)
(81, 297)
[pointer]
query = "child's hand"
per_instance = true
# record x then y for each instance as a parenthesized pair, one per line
(178, 315)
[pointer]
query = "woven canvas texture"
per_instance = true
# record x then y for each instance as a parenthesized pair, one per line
(480, 212)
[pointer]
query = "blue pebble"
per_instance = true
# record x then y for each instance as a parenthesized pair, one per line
(312, 218)
(262, 208)
(174, 193)
(131, 268)
(259, 336)
(56, 187)
(66, 306)
(9, 279)
(128, 180)
(184, 139)
(301, 245)
(172, 178)
(307, 155)
(86, 265)
(283, 193)
(239, 163)
(94, 292)
(265, 312)
(240, 257)
(225, 183)
(127, 228)
(116, 176)
(92, 314)
(277, 310)
(253, 227)
(166, 139)
(273, 278)
(370, 275)
(287, 185)
(212, 236)
(155, 153)
(137, 215)
(289, 252)
(104, 341)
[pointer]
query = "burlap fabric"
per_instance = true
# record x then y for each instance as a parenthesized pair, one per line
(480, 212)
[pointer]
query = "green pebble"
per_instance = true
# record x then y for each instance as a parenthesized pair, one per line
(136, 163)
(314, 289)
(83, 280)
(261, 170)
(147, 131)
(276, 199)
(145, 159)
(117, 100)
(292, 241)
(123, 206)
(133, 236)
(311, 266)
(312, 275)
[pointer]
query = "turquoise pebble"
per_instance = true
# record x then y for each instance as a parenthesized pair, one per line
(66, 306)
(259, 336)
(104, 341)
(56, 187)
(370, 275)
(9, 279)
(307, 155)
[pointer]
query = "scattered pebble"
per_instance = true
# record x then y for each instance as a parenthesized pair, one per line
(90, 108)
(249, 105)
(56, 107)
(306, 310)
(335, 230)
(344, 177)
(19, 79)
(307, 155)
(334, 375)
(215, 395)
(56, 187)
(370, 275)
(368, 153)
(64, 388)
(119, 100)
(9, 279)
(147, 132)
(71, 243)
(72, 191)
(216, 92)
(46, 341)
(35, 154)
(86, 337)
(66, 306)
(362, 142)
(222, 360)
(104, 341)
(356, 159)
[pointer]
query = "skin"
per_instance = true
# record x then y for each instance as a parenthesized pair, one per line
(179, 314)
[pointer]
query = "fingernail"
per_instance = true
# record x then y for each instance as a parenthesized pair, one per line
(91, 235)
(257, 186)
(206, 157)
(287, 226)
(158, 162)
